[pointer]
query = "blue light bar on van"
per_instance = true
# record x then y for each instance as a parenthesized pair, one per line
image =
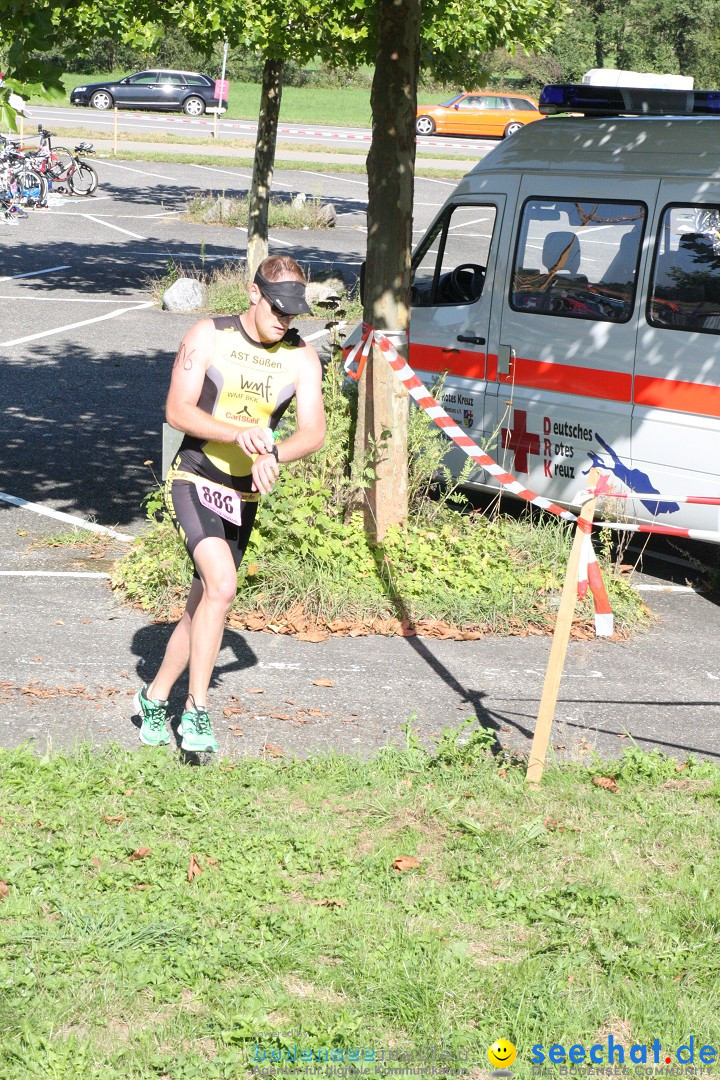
(627, 101)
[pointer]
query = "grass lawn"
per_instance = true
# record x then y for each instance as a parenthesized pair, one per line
(160, 920)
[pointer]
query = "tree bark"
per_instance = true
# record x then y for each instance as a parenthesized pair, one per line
(263, 165)
(391, 170)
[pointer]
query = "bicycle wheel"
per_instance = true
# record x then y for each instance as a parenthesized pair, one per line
(59, 164)
(33, 187)
(83, 179)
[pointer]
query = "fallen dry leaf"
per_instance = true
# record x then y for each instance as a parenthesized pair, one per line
(96, 862)
(315, 636)
(210, 861)
(140, 853)
(113, 819)
(59, 622)
(36, 659)
(280, 716)
(140, 885)
(681, 767)
(273, 749)
(234, 727)
(194, 868)
(405, 862)
(252, 570)
(130, 791)
(254, 690)
(502, 773)
(622, 735)
(607, 783)
(330, 903)
(323, 682)
(4, 890)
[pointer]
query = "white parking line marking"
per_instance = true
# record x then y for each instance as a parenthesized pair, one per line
(73, 326)
(344, 179)
(66, 300)
(54, 573)
(666, 588)
(271, 239)
(100, 221)
(140, 172)
(33, 273)
(213, 169)
(38, 508)
(431, 180)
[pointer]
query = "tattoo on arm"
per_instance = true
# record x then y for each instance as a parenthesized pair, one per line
(184, 358)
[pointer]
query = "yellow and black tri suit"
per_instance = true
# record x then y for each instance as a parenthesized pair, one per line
(247, 383)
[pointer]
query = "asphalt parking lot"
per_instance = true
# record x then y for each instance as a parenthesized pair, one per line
(84, 364)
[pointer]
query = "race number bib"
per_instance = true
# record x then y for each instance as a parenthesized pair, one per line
(223, 500)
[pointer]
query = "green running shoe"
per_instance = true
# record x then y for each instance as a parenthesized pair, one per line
(153, 731)
(197, 732)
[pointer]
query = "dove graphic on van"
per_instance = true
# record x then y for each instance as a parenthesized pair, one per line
(634, 479)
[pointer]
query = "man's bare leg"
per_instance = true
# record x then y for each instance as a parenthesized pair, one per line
(215, 565)
(177, 651)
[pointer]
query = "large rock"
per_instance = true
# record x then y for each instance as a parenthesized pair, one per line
(323, 293)
(186, 294)
(327, 216)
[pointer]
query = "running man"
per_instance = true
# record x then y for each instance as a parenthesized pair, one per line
(232, 380)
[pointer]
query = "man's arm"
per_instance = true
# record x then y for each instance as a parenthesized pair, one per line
(188, 375)
(310, 433)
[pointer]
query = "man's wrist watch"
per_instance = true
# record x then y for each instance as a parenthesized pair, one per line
(274, 453)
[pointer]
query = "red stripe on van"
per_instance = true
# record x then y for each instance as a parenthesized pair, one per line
(568, 379)
(678, 396)
(470, 365)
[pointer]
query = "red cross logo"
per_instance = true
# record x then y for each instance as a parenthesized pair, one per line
(522, 441)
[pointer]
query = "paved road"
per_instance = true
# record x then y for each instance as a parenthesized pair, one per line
(84, 364)
(300, 134)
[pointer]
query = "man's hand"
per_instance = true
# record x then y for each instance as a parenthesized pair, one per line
(254, 440)
(265, 471)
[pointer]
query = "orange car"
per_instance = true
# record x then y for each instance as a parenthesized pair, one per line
(477, 113)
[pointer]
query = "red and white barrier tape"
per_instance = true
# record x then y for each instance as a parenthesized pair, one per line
(427, 402)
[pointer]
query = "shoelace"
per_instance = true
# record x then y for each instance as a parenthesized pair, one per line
(155, 716)
(202, 723)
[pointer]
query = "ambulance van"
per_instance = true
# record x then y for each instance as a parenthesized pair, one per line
(569, 291)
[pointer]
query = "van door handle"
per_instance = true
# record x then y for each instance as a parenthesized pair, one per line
(471, 339)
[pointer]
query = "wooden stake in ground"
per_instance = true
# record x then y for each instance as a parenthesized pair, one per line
(561, 636)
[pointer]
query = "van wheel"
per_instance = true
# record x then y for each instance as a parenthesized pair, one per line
(512, 128)
(425, 125)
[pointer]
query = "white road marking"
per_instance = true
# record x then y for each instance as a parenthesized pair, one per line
(666, 588)
(54, 573)
(100, 221)
(38, 508)
(33, 273)
(213, 169)
(431, 180)
(329, 176)
(271, 239)
(140, 172)
(73, 326)
(65, 300)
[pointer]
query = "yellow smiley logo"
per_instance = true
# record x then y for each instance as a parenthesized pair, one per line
(502, 1054)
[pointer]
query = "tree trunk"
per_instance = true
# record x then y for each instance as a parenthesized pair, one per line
(263, 165)
(391, 170)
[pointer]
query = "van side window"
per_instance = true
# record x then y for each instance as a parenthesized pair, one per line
(449, 266)
(685, 289)
(578, 259)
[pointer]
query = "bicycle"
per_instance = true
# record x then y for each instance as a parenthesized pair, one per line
(62, 166)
